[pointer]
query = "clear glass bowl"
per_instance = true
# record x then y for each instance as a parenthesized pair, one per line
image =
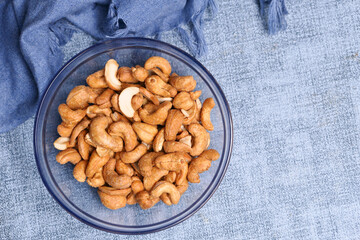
(81, 200)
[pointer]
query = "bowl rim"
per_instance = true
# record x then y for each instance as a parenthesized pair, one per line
(183, 215)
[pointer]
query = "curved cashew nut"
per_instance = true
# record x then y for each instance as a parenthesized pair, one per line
(125, 98)
(158, 72)
(89, 141)
(125, 75)
(190, 114)
(183, 101)
(170, 177)
(65, 131)
(115, 192)
(145, 200)
(174, 146)
(97, 79)
(160, 63)
(155, 176)
(104, 151)
(166, 187)
(201, 138)
(61, 143)
(68, 155)
(79, 171)
(112, 202)
(113, 178)
(97, 180)
(195, 95)
(146, 163)
(125, 131)
(123, 168)
(70, 117)
(157, 117)
(201, 164)
(157, 86)
(76, 131)
(104, 99)
(183, 83)
(95, 111)
(182, 174)
(100, 137)
(173, 124)
(171, 161)
(145, 132)
(134, 155)
(83, 147)
(183, 186)
(159, 141)
(136, 185)
(208, 105)
(78, 97)
(111, 79)
(166, 199)
(137, 101)
(149, 95)
(139, 73)
(95, 163)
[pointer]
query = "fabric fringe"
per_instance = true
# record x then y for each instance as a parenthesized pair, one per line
(276, 14)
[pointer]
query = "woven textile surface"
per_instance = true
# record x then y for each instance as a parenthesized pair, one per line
(295, 167)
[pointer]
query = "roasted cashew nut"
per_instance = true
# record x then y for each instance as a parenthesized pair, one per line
(95, 163)
(173, 124)
(174, 146)
(171, 161)
(146, 132)
(95, 111)
(145, 200)
(78, 97)
(134, 155)
(123, 168)
(201, 139)
(195, 95)
(126, 132)
(125, 75)
(70, 117)
(146, 163)
(157, 86)
(83, 147)
(61, 143)
(183, 101)
(97, 79)
(201, 164)
(115, 192)
(68, 155)
(125, 98)
(99, 135)
(208, 105)
(104, 99)
(158, 117)
(110, 74)
(155, 176)
(139, 73)
(166, 187)
(112, 202)
(113, 178)
(159, 141)
(97, 180)
(76, 131)
(160, 63)
(79, 171)
(183, 83)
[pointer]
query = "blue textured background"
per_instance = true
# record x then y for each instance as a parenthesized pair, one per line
(295, 169)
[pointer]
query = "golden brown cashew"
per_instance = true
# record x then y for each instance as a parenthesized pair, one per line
(149, 95)
(95, 163)
(173, 124)
(160, 63)
(183, 101)
(76, 131)
(64, 131)
(136, 185)
(100, 137)
(183, 186)
(183, 83)
(125, 131)
(208, 105)
(166, 187)
(145, 132)
(174, 146)
(171, 177)
(134, 155)
(158, 72)
(124, 74)
(95, 111)
(78, 97)
(157, 117)
(157, 86)
(137, 101)
(171, 161)
(182, 135)
(182, 174)
(61, 143)
(201, 139)
(112, 202)
(166, 199)
(195, 95)
(145, 200)
(79, 171)
(104, 99)
(115, 192)
(70, 117)
(146, 163)
(97, 180)
(83, 147)
(201, 164)
(97, 79)
(89, 141)
(68, 155)
(156, 175)
(113, 178)
(102, 152)
(159, 141)
(191, 114)
(123, 168)
(94, 93)
(139, 73)
(131, 199)
(111, 79)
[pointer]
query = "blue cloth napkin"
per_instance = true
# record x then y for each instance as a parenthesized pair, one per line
(31, 33)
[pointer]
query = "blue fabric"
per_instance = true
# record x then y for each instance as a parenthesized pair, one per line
(31, 33)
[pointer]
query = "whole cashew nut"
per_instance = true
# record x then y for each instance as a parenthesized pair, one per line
(97, 79)
(171, 161)
(97, 180)
(79, 171)
(183, 83)
(173, 124)
(110, 74)
(68, 155)
(113, 178)
(83, 147)
(123, 168)
(157, 86)
(146, 132)
(201, 164)
(201, 139)
(99, 135)
(104, 99)
(95, 111)
(76, 131)
(160, 63)
(145, 200)
(95, 163)
(166, 187)
(208, 105)
(125, 131)
(159, 141)
(78, 97)
(134, 155)
(70, 117)
(195, 95)
(125, 75)
(183, 101)
(112, 202)
(139, 73)
(174, 146)
(146, 163)
(158, 117)
(155, 176)
(136, 185)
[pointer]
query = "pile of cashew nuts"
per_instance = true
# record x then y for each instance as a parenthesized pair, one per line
(138, 135)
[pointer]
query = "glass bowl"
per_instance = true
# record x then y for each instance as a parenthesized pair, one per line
(81, 200)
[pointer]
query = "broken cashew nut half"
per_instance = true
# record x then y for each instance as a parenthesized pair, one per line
(111, 68)
(125, 98)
